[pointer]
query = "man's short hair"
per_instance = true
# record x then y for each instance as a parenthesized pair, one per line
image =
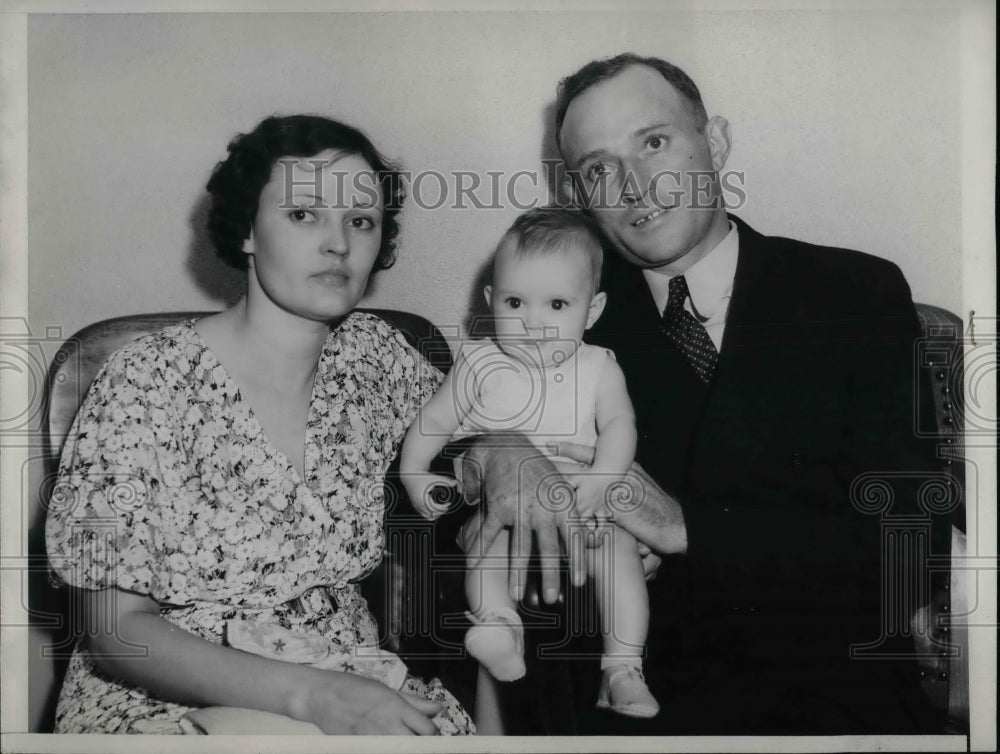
(556, 229)
(597, 71)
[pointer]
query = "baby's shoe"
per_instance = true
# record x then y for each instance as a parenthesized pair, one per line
(496, 639)
(623, 690)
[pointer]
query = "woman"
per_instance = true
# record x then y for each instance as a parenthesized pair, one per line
(223, 476)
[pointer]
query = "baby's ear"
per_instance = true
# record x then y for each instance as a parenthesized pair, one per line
(248, 244)
(488, 295)
(596, 308)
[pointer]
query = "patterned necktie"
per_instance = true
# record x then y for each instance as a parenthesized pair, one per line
(687, 332)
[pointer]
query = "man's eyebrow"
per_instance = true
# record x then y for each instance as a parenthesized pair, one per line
(589, 156)
(358, 204)
(647, 129)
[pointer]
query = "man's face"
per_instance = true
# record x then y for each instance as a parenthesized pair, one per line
(646, 170)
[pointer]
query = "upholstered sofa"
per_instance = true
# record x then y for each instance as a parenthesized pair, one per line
(73, 369)
(417, 593)
(544, 704)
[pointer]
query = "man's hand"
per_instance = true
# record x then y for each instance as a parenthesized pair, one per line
(650, 561)
(523, 490)
(592, 495)
(639, 505)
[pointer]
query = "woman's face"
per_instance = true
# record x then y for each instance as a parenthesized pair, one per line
(317, 234)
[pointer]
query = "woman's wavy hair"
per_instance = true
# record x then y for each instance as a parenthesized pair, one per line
(237, 181)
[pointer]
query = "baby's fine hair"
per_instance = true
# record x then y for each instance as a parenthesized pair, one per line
(547, 230)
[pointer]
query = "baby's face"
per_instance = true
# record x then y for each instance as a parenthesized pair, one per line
(542, 302)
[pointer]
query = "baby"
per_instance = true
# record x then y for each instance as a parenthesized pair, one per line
(537, 378)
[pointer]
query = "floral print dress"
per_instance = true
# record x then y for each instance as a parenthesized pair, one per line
(168, 487)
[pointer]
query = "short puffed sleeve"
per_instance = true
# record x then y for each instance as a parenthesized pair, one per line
(420, 378)
(110, 517)
(406, 379)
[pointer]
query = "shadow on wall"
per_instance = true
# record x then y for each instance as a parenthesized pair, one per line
(213, 276)
(550, 154)
(55, 622)
(478, 321)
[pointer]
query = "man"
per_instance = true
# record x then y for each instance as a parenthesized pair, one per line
(774, 388)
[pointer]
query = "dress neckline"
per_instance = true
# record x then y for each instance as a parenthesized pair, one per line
(308, 459)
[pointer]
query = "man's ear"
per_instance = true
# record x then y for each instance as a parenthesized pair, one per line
(488, 295)
(719, 144)
(596, 308)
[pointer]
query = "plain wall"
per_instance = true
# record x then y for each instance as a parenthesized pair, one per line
(845, 123)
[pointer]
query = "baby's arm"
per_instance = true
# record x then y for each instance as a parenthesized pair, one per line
(433, 427)
(616, 441)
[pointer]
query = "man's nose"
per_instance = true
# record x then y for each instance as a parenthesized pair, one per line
(637, 183)
(632, 184)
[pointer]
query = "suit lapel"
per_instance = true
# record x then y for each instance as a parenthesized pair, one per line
(698, 425)
(665, 390)
(632, 305)
(754, 291)
(753, 310)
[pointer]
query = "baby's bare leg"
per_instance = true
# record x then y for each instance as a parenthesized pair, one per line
(623, 602)
(496, 638)
(622, 598)
(486, 585)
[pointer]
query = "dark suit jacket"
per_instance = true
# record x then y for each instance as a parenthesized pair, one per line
(798, 472)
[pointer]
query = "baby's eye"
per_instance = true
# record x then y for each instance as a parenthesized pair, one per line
(302, 216)
(558, 304)
(513, 302)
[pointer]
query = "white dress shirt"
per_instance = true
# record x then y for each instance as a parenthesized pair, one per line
(710, 282)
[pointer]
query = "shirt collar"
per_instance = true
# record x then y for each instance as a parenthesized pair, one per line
(709, 280)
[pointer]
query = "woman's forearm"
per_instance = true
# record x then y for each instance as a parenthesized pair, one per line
(177, 665)
(131, 642)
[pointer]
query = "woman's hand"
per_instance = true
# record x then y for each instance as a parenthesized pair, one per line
(343, 704)
(130, 641)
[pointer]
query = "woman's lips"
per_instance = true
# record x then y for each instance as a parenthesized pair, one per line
(331, 278)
